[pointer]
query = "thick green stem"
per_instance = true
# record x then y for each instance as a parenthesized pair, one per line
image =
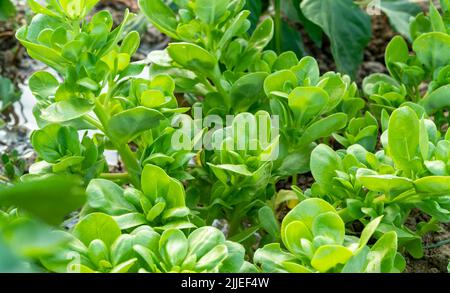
(278, 26)
(131, 163)
(294, 180)
(234, 225)
(128, 158)
(94, 122)
(115, 176)
(216, 79)
(101, 114)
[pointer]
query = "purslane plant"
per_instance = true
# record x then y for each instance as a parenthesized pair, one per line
(314, 236)
(266, 74)
(410, 172)
(238, 169)
(147, 222)
(158, 148)
(93, 61)
(61, 151)
(309, 106)
(428, 64)
(212, 61)
(160, 204)
(96, 250)
(14, 166)
(345, 190)
(204, 250)
(362, 131)
(144, 250)
(253, 76)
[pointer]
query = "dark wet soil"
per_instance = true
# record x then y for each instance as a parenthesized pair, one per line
(436, 247)
(437, 253)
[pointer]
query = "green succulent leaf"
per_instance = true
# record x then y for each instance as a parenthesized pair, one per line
(328, 256)
(97, 226)
(306, 212)
(403, 136)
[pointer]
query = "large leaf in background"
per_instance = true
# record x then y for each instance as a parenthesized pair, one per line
(291, 10)
(7, 9)
(399, 13)
(346, 25)
(49, 199)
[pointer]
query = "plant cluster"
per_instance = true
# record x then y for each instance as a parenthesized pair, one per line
(322, 21)
(376, 155)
